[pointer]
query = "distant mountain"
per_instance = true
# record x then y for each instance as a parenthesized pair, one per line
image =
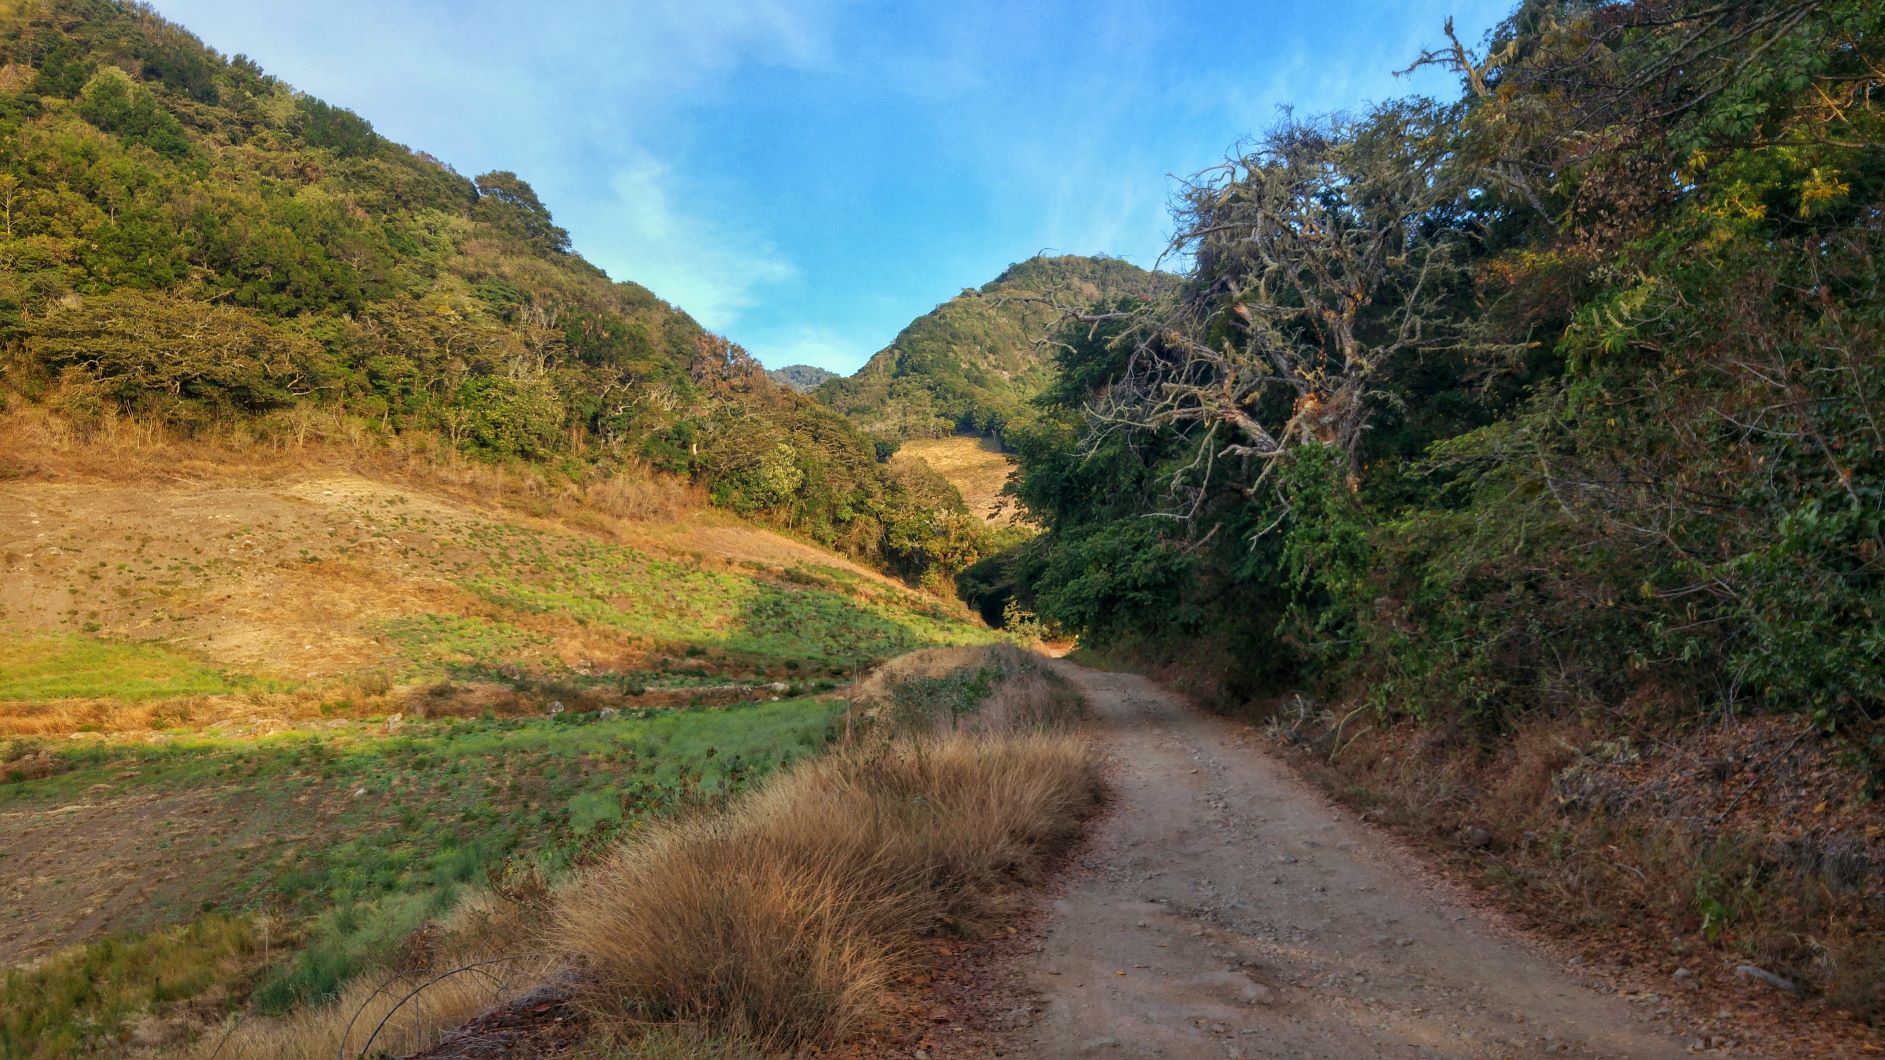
(972, 363)
(801, 377)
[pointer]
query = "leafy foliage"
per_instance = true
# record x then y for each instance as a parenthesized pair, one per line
(802, 377)
(1562, 395)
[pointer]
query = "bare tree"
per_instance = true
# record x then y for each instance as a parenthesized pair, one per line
(1320, 256)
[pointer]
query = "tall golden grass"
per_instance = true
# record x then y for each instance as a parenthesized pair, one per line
(35, 440)
(489, 947)
(1024, 697)
(782, 920)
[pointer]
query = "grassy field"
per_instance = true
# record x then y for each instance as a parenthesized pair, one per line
(310, 856)
(346, 587)
(801, 914)
(975, 466)
(263, 733)
(35, 668)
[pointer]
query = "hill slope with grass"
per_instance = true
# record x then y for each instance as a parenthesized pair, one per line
(271, 718)
(975, 466)
(193, 244)
(156, 584)
(972, 363)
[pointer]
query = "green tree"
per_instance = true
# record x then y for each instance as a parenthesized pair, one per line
(510, 205)
(118, 105)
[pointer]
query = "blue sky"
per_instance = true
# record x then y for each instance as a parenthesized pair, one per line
(806, 176)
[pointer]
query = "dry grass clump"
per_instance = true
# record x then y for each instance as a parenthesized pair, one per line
(990, 689)
(112, 446)
(343, 1027)
(1021, 702)
(782, 920)
(487, 946)
(1633, 848)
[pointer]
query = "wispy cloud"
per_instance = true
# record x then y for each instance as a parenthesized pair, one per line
(651, 231)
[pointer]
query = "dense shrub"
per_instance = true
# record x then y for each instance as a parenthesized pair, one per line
(1581, 407)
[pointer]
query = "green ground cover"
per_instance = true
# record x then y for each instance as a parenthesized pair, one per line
(35, 667)
(356, 837)
(822, 617)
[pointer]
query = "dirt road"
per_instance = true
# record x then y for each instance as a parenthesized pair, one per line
(1228, 910)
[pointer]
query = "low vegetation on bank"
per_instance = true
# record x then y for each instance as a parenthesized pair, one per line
(289, 865)
(773, 918)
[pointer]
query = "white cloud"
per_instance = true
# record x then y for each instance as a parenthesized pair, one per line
(650, 231)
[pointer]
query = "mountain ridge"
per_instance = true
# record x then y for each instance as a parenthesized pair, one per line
(971, 364)
(801, 377)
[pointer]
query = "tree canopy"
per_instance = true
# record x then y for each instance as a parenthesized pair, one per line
(1560, 393)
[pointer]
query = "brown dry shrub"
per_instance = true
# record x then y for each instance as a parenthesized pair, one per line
(782, 920)
(1026, 696)
(488, 947)
(1578, 843)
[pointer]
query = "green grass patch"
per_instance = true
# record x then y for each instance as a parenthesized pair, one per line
(39, 668)
(455, 638)
(356, 837)
(57, 1007)
(822, 617)
(813, 616)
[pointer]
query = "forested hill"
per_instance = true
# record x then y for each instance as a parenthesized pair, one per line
(192, 243)
(974, 362)
(801, 376)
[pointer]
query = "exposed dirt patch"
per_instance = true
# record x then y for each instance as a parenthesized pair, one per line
(132, 860)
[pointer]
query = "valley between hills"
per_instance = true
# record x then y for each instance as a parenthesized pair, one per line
(1440, 613)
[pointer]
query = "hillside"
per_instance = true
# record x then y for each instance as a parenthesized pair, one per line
(975, 466)
(192, 244)
(265, 714)
(801, 377)
(367, 558)
(973, 363)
